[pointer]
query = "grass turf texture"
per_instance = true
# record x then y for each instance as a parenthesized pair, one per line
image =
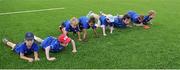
(157, 47)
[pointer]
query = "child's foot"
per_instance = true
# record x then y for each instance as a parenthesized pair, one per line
(89, 13)
(117, 15)
(101, 13)
(146, 27)
(104, 34)
(60, 27)
(4, 40)
(138, 24)
(110, 32)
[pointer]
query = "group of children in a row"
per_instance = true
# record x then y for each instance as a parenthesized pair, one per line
(91, 20)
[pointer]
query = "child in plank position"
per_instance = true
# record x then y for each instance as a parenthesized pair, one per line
(105, 21)
(52, 44)
(85, 23)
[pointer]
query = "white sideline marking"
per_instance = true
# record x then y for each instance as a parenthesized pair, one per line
(29, 11)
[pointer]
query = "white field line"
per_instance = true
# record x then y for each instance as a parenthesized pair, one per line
(30, 11)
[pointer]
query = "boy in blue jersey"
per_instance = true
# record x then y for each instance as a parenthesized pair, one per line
(52, 44)
(141, 20)
(85, 23)
(70, 26)
(105, 21)
(122, 22)
(26, 48)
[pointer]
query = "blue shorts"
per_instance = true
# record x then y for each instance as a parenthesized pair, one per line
(52, 42)
(17, 49)
(47, 41)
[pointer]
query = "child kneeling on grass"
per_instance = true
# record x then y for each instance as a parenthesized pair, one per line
(51, 44)
(26, 48)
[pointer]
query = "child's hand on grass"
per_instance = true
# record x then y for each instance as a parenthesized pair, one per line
(37, 59)
(51, 58)
(74, 51)
(30, 59)
(80, 39)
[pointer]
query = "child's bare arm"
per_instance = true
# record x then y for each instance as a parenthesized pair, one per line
(73, 46)
(79, 36)
(25, 58)
(36, 56)
(84, 33)
(47, 49)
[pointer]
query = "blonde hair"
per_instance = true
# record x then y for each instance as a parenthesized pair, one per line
(74, 21)
(151, 12)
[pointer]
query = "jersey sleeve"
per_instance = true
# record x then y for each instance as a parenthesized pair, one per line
(67, 28)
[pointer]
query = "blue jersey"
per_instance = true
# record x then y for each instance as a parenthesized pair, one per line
(119, 23)
(69, 28)
(104, 21)
(84, 23)
(53, 43)
(134, 16)
(22, 48)
(146, 19)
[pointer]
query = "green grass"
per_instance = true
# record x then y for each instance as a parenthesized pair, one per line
(158, 47)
